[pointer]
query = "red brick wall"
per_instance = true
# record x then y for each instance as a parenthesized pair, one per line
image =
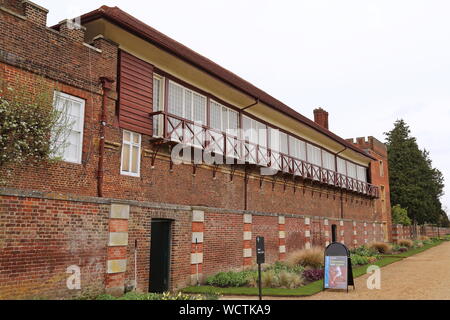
(267, 227)
(223, 238)
(382, 211)
(400, 232)
(140, 228)
(295, 234)
(40, 238)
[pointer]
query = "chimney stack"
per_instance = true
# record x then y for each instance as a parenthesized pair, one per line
(321, 117)
(35, 13)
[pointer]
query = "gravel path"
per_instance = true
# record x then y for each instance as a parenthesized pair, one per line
(424, 276)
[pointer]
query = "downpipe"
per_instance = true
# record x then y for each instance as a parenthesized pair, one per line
(106, 88)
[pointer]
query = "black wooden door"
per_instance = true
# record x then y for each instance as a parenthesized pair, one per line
(160, 255)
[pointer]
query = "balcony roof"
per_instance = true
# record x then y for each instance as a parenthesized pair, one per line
(116, 16)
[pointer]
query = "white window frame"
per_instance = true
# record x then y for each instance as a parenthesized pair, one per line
(228, 129)
(159, 119)
(184, 116)
(56, 95)
(132, 144)
(312, 151)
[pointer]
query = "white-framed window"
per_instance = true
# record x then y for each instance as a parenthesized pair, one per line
(68, 133)
(351, 170)
(254, 131)
(328, 160)
(186, 103)
(158, 104)
(361, 173)
(131, 154)
(314, 155)
(297, 148)
(223, 118)
(341, 166)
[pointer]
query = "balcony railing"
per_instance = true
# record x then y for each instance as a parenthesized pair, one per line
(179, 130)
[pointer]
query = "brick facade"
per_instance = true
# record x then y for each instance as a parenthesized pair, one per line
(52, 218)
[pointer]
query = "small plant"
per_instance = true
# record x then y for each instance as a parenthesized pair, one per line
(269, 279)
(359, 260)
(229, 279)
(364, 251)
(372, 259)
(312, 258)
(418, 244)
(313, 275)
(290, 280)
(424, 238)
(402, 249)
(280, 266)
(152, 296)
(405, 243)
(381, 247)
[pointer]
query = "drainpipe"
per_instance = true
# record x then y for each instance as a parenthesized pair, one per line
(246, 189)
(342, 193)
(106, 87)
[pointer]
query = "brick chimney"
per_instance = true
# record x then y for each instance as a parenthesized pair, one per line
(321, 117)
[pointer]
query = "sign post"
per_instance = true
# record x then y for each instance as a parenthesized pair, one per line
(338, 268)
(260, 259)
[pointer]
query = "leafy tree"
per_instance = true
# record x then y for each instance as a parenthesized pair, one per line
(400, 216)
(31, 130)
(414, 183)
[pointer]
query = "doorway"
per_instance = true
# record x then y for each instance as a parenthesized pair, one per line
(161, 231)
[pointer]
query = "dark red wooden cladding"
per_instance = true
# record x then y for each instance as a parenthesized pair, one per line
(135, 94)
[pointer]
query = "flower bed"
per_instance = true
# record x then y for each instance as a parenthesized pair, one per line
(309, 287)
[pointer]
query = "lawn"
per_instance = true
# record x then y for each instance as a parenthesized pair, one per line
(307, 290)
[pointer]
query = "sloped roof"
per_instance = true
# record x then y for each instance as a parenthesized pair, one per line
(138, 28)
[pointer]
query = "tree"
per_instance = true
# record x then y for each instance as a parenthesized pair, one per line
(400, 216)
(30, 128)
(414, 183)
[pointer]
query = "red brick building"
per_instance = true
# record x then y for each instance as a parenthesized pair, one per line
(120, 209)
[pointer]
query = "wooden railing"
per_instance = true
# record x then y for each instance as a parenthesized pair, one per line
(179, 130)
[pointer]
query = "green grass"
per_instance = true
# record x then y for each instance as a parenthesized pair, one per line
(360, 271)
(309, 289)
(414, 251)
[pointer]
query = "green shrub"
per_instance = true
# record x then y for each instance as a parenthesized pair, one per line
(364, 251)
(229, 279)
(279, 266)
(400, 216)
(312, 258)
(359, 260)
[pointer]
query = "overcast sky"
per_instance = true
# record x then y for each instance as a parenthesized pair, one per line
(368, 63)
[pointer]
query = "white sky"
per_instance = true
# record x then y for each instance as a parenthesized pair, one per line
(368, 63)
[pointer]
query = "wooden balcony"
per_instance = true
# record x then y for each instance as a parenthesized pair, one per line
(174, 129)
